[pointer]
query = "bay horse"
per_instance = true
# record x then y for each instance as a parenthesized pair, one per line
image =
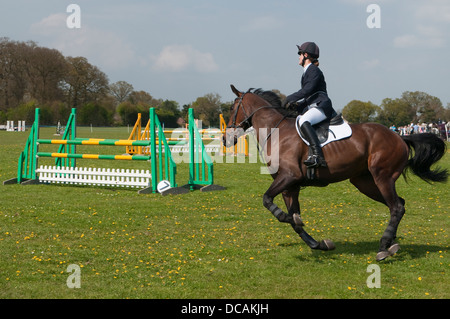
(372, 158)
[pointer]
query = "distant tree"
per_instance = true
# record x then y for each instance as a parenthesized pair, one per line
(13, 72)
(225, 110)
(207, 108)
(84, 83)
(143, 100)
(395, 111)
(129, 112)
(360, 112)
(95, 114)
(171, 106)
(432, 112)
(142, 97)
(169, 113)
(167, 118)
(46, 69)
(446, 116)
(185, 111)
(120, 91)
(426, 108)
(60, 112)
(26, 111)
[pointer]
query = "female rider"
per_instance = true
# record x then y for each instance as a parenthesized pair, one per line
(313, 98)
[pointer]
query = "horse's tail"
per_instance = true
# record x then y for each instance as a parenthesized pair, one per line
(428, 149)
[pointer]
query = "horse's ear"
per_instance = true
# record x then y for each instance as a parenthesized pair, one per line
(236, 91)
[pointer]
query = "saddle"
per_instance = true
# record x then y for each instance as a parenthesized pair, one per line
(329, 130)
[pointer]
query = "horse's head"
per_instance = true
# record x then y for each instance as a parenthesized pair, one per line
(244, 108)
(239, 120)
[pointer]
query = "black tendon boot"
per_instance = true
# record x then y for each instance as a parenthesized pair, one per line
(316, 159)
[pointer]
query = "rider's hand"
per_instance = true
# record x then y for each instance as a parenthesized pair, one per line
(286, 104)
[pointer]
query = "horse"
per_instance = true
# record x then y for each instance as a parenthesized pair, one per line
(372, 158)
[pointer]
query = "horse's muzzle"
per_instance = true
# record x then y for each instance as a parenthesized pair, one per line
(231, 136)
(229, 140)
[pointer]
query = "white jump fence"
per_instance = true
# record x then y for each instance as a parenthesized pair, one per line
(94, 176)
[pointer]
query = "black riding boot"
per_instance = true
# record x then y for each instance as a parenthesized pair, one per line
(316, 159)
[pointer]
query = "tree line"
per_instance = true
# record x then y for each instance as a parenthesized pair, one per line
(33, 76)
(411, 107)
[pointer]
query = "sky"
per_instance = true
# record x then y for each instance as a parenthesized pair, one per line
(180, 50)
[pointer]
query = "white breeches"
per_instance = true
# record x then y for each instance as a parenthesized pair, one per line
(313, 116)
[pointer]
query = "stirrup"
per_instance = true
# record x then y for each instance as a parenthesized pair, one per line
(315, 161)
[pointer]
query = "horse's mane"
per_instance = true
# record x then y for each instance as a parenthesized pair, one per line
(274, 100)
(270, 96)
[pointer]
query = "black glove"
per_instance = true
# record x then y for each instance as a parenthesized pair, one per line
(286, 104)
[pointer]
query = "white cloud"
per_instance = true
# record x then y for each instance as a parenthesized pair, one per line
(434, 10)
(430, 19)
(177, 58)
(47, 25)
(425, 37)
(103, 47)
(406, 41)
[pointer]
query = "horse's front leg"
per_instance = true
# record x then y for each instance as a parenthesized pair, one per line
(293, 206)
(279, 185)
(290, 195)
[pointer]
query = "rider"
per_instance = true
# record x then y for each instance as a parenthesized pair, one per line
(312, 97)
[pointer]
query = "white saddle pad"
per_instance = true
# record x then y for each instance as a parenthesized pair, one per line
(335, 132)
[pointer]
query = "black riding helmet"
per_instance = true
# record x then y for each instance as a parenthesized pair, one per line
(309, 47)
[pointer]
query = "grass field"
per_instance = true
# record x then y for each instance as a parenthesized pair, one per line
(211, 245)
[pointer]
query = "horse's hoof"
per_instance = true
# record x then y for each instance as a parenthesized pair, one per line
(327, 244)
(382, 255)
(386, 253)
(393, 249)
(297, 220)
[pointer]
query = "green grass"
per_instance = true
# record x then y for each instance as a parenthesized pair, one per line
(211, 245)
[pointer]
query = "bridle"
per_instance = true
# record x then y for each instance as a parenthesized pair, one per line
(247, 121)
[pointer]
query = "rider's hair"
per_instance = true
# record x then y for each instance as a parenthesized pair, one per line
(313, 59)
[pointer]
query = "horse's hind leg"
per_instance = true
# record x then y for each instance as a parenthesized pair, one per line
(290, 198)
(384, 191)
(397, 209)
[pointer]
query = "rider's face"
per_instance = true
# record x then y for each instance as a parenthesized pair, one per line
(301, 59)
